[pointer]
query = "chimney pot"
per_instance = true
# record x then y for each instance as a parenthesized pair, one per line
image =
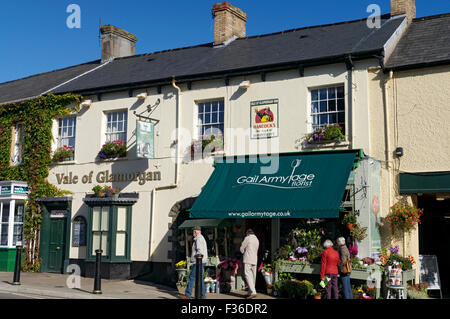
(408, 7)
(229, 21)
(116, 42)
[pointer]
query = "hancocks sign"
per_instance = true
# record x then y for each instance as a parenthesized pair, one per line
(264, 119)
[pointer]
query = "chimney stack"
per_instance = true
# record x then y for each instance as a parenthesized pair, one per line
(229, 21)
(408, 7)
(116, 42)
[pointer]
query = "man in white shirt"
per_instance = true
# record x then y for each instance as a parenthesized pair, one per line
(249, 248)
(199, 247)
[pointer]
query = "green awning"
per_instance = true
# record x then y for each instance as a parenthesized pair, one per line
(204, 223)
(429, 182)
(305, 185)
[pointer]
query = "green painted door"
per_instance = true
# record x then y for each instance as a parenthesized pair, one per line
(56, 244)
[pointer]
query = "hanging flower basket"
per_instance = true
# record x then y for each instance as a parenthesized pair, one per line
(404, 217)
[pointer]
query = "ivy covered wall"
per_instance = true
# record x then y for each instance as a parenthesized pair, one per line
(36, 116)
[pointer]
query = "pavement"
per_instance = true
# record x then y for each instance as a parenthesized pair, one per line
(58, 286)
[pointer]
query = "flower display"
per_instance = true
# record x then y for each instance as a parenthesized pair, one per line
(181, 264)
(63, 153)
(232, 264)
(113, 149)
(107, 191)
(212, 144)
(353, 250)
(404, 217)
(391, 257)
(330, 132)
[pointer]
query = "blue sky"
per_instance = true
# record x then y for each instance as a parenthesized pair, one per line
(35, 37)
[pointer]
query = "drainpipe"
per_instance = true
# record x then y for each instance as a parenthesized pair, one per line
(178, 118)
(177, 166)
(388, 133)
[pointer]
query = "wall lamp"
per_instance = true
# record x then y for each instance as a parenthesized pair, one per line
(142, 96)
(244, 85)
(86, 103)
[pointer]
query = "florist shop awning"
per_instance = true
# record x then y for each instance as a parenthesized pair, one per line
(291, 185)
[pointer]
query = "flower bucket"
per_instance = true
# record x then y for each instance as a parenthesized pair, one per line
(268, 278)
(181, 273)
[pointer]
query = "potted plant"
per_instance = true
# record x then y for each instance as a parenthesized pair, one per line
(107, 191)
(267, 272)
(404, 217)
(113, 149)
(98, 191)
(349, 219)
(64, 153)
(326, 134)
(181, 269)
(358, 232)
(112, 192)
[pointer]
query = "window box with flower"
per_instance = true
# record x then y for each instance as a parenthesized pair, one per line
(331, 133)
(113, 150)
(207, 145)
(63, 154)
(106, 191)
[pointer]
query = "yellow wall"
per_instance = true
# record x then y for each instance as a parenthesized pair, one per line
(417, 118)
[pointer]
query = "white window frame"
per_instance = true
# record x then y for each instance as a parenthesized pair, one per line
(199, 124)
(17, 146)
(60, 138)
(124, 121)
(312, 126)
(11, 222)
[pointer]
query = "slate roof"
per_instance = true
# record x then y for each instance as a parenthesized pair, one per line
(37, 84)
(318, 43)
(425, 43)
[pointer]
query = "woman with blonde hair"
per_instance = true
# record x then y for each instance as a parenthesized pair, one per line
(344, 256)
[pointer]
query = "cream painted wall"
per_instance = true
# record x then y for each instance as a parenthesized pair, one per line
(418, 120)
(150, 215)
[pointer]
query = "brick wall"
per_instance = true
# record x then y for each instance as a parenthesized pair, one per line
(228, 21)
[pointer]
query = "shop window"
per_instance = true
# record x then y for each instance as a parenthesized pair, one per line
(116, 126)
(4, 228)
(110, 231)
(12, 216)
(328, 106)
(211, 120)
(100, 227)
(19, 215)
(17, 144)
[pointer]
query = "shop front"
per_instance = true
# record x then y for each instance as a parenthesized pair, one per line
(431, 193)
(312, 191)
(13, 196)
